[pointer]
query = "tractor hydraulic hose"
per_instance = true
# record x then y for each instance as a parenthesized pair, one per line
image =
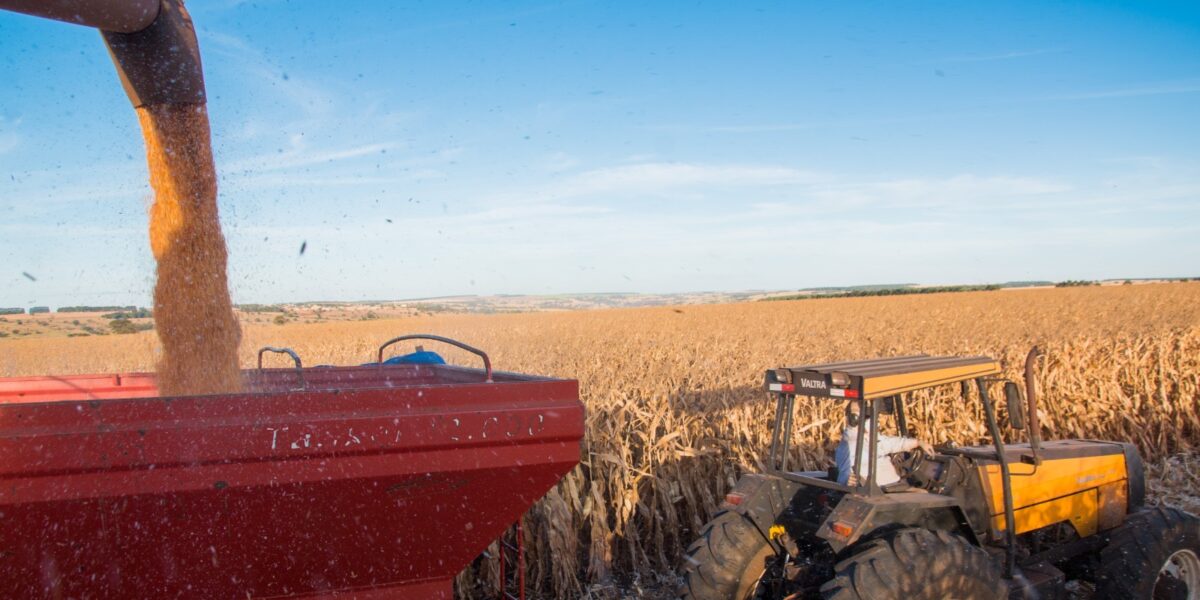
(152, 44)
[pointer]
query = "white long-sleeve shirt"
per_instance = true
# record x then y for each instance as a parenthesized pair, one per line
(885, 473)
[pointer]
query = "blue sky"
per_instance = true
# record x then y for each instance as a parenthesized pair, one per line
(442, 148)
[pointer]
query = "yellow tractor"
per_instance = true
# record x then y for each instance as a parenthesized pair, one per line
(899, 520)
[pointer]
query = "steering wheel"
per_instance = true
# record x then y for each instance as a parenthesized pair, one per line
(909, 462)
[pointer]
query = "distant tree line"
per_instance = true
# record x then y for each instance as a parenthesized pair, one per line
(893, 292)
(1076, 283)
(90, 309)
(260, 308)
(435, 307)
(1028, 283)
(12, 311)
(134, 313)
(37, 310)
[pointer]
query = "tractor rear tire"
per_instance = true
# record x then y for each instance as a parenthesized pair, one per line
(916, 564)
(1154, 554)
(727, 560)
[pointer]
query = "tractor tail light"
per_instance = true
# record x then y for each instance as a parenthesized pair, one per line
(841, 529)
(734, 498)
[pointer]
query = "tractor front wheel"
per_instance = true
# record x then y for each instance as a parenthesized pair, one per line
(1154, 554)
(916, 564)
(727, 561)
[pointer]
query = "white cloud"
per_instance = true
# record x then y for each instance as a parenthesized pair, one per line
(301, 156)
(559, 161)
(581, 232)
(1149, 89)
(963, 188)
(302, 166)
(656, 177)
(755, 128)
(265, 75)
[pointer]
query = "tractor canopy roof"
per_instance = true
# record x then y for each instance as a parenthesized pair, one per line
(879, 377)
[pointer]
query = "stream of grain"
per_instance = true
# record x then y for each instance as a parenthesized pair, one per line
(192, 310)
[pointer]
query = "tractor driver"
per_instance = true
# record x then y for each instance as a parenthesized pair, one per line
(888, 445)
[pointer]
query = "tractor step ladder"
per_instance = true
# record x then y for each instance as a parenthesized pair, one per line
(517, 546)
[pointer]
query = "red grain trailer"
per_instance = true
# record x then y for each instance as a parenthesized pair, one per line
(376, 481)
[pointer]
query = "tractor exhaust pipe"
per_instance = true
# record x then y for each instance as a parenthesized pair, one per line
(152, 44)
(1035, 428)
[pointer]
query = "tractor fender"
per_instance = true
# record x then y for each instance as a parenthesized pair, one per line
(761, 499)
(1135, 472)
(858, 517)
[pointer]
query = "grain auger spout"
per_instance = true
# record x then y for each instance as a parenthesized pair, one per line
(152, 44)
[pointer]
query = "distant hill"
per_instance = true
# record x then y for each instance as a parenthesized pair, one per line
(886, 291)
(509, 303)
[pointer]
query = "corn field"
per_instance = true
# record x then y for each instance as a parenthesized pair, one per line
(676, 412)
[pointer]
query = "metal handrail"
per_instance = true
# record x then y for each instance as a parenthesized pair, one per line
(289, 352)
(487, 362)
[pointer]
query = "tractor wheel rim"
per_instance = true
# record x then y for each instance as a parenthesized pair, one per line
(1180, 572)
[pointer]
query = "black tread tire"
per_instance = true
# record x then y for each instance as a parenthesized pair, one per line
(916, 564)
(1135, 551)
(724, 562)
